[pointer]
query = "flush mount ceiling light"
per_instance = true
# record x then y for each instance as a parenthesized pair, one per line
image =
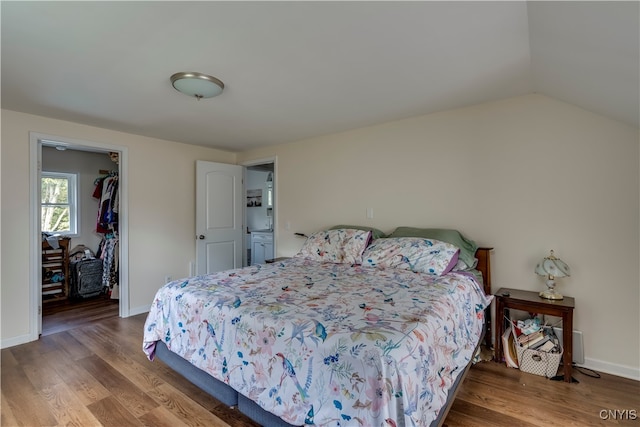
(197, 85)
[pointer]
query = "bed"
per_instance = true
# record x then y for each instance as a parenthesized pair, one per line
(350, 331)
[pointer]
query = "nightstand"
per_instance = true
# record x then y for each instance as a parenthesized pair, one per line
(531, 302)
(272, 260)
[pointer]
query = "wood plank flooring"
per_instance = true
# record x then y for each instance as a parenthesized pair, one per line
(97, 375)
(64, 315)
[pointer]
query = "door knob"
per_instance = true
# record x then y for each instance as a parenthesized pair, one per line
(201, 237)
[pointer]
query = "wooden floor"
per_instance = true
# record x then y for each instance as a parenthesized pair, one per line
(64, 315)
(97, 375)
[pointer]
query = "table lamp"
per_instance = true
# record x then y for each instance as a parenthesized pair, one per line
(552, 267)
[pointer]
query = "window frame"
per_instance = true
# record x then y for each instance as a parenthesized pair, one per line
(72, 203)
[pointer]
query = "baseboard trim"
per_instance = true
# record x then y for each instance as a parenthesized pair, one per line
(612, 368)
(11, 342)
(139, 310)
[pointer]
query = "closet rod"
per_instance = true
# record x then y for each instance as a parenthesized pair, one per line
(106, 172)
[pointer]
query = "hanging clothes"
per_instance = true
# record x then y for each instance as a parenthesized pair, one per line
(109, 202)
(109, 253)
(107, 223)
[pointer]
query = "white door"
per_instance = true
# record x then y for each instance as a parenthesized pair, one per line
(219, 225)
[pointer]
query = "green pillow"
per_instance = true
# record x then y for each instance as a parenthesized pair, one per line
(467, 247)
(375, 233)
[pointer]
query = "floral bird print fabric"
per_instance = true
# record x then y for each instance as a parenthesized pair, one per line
(326, 344)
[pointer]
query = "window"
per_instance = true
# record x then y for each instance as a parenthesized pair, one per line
(59, 208)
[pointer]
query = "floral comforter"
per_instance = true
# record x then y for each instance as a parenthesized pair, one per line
(326, 344)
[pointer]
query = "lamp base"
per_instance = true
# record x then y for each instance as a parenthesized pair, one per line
(550, 294)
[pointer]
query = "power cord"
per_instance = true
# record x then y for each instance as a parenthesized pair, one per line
(586, 371)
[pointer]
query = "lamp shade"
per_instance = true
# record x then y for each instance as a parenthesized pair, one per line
(197, 85)
(553, 267)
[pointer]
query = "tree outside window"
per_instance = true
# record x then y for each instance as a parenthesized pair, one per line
(58, 203)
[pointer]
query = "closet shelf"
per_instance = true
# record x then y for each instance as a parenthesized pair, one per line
(55, 271)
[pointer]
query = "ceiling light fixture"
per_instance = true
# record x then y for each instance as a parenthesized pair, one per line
(197, 84)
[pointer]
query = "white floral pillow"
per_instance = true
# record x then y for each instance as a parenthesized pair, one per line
(412, 253)
(341, 246)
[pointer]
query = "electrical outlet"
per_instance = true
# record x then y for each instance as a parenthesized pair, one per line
(578, 345)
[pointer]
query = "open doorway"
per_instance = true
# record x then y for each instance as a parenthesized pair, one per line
(79, 270)
(260, 211)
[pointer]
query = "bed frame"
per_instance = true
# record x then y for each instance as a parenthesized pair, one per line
(232, 398)
(483, 255)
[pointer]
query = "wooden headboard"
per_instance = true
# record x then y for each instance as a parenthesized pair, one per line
(484, 266)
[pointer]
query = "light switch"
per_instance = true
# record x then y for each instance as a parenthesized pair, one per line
(370, 213)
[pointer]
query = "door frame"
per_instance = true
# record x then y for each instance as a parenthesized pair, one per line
(36, 141)
(264, 161)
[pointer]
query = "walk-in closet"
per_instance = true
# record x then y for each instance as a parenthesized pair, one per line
(79, 224)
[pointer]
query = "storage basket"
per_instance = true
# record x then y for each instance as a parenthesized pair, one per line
(538, 362)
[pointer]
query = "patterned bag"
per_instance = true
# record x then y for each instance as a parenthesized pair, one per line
(538, 362)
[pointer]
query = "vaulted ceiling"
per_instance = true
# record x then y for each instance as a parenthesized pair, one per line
(295, 70)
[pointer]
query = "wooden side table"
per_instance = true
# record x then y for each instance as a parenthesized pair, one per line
(531, 302)
(272, 260)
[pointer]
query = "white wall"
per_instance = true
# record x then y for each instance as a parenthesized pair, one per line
(161, 180)
(87, 165)
(523, 175)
